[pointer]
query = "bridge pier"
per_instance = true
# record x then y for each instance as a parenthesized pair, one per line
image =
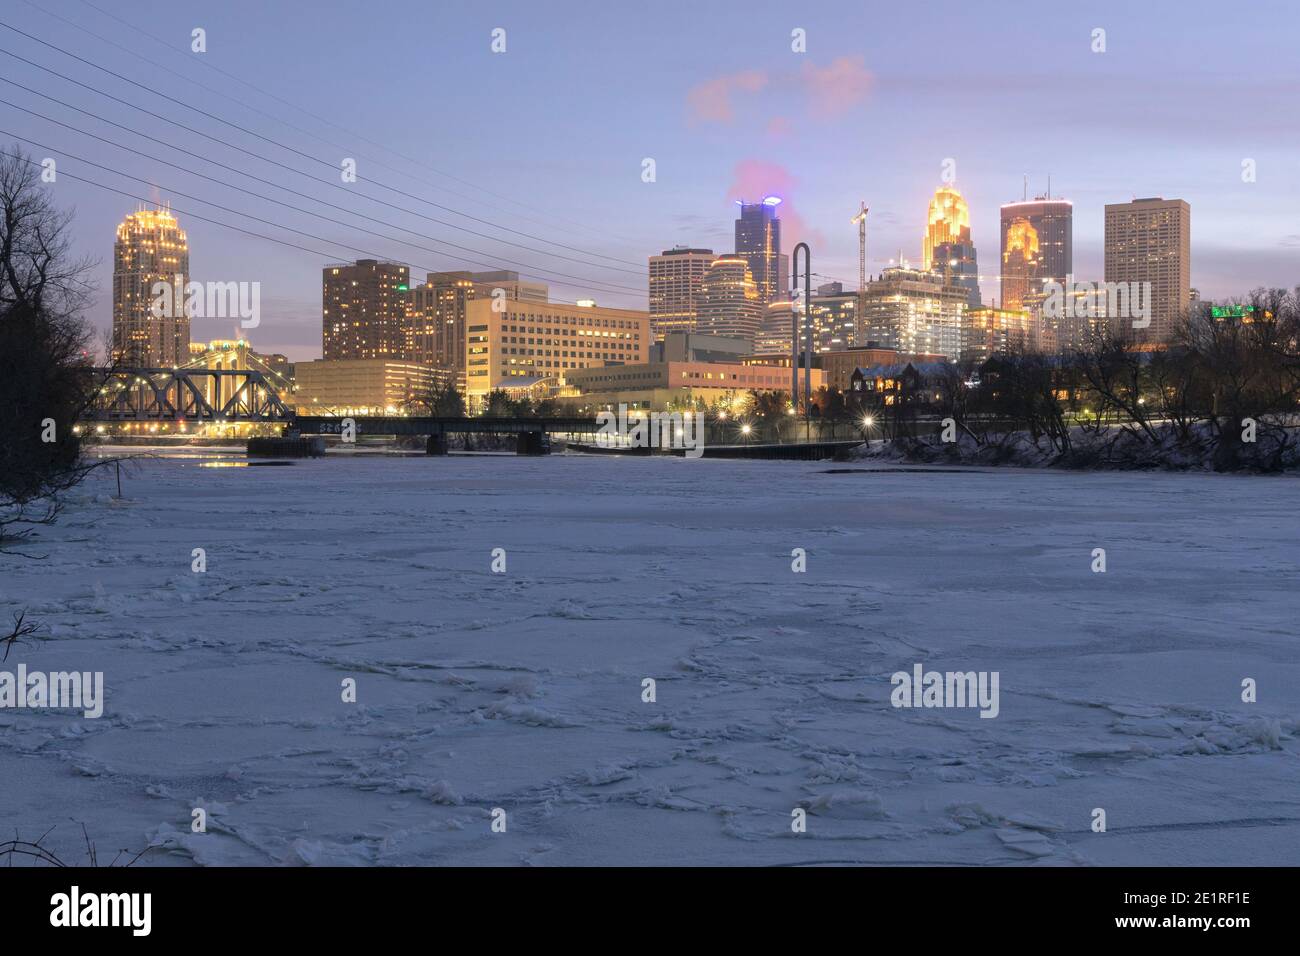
(533, 443)
(436, 444)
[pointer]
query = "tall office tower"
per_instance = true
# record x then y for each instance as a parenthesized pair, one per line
(946, 247)
(758, 241)
(150, 248)
(363, 309)
(913, 310)
(1037, 247)
(1150, 240)
(729, 300)
(676, 280)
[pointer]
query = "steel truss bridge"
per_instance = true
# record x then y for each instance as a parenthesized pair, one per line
(191, 395)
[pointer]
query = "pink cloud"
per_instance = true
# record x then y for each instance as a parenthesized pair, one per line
(753, 179)
(836, 89)
(712, 101)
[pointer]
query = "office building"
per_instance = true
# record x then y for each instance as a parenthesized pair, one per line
(1037, 248)
(547, 341)
(729, 300)
(676, 286)
(758, 242)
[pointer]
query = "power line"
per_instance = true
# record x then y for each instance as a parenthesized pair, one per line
(273, 162)
(216, 222)
(328, 122)
(594, 284)
(267, 139)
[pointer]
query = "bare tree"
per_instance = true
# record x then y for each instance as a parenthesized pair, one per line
(47, 380)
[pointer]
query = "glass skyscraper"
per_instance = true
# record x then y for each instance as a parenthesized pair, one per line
(758, 242)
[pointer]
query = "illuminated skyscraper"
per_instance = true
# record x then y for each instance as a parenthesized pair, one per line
(946, 247)
(948, 221)
(363, 310)
(729, 300)
(676, 281)
(1037, 247)
(758, 241)
(151, 248)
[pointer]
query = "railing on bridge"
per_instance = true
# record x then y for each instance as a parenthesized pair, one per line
(187, 395)
(426, 425)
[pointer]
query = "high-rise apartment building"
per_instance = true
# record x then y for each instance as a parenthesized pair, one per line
(835, 317)
(151, 248)
(912, 310)
(363, 310)
(1037, 248)
(730, 303)
(758, 242)
(676, 283)
(1150, 240)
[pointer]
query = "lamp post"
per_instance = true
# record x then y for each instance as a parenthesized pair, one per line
(794, 338)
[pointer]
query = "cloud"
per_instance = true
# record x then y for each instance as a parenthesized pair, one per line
(753, 179)
(836, 89)
(712, 101)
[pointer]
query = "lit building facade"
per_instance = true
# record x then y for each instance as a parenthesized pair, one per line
(913, 311)
(986, 332)
(729, 301)
(363, 310)
(360, 386)
(838, 367)
(774, 332)
(758, 242)
(1037, 248)
(150, 248)
(662, 385)
(547, 340)
(1150, 240)
(835, 317)
(676, 286)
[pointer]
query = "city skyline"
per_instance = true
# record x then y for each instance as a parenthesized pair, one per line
(749, 118)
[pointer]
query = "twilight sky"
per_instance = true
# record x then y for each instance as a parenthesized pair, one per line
(457, 144)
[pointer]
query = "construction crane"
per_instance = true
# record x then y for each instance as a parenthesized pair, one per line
(861, 220)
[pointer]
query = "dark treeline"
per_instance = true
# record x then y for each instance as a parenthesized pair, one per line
(1224, 393)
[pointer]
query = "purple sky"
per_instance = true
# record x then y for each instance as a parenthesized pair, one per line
(547, 139)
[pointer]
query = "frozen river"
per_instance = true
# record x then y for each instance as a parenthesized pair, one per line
(524, 690)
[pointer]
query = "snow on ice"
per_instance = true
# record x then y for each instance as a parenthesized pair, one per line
(524, 690)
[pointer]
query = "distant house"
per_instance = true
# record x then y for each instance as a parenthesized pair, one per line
(921, 383)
